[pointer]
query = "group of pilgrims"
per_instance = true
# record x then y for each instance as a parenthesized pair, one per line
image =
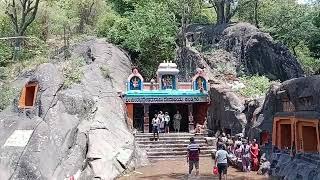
(161, 123)
(243, 153)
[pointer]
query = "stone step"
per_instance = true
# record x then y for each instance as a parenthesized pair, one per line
(180, 141)
(167, 138)
(172, 157)
(176, 153)
(174, 149)
(167, 135)
(146, 146)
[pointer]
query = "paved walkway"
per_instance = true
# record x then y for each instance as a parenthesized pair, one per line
(177, 169)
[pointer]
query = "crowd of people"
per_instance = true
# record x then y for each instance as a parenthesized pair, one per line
(242, 153)
(161, 123)
(237, 151)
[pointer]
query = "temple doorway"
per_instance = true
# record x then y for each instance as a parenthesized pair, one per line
(309, 139)
(171, 109)
(138, 117)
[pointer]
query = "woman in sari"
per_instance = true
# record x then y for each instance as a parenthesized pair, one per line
(254, 151)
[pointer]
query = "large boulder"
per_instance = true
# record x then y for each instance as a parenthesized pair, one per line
(252, 51)
(302, 93)
(80, 131)
(226, 52)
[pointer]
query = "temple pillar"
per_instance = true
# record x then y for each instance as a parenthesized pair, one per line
(190, 117)
(146, 118)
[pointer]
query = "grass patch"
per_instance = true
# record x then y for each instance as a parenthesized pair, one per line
(226, 68)
(73, 72)
(255, 86)
(105, 72)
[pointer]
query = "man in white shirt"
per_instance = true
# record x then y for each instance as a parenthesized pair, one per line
(222, 161)
(155, 127)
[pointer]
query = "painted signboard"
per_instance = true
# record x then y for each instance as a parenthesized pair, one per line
(180, 99)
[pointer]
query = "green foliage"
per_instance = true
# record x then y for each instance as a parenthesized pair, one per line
(314, 42)
(255, 86)
(205, 16)
(226, 68)
(151, 32)
(288, 22)
(73, 72)
(33, 47)
(113, 27)
(7, 95)
(122, 7)
(5, 53)
(105, 72)
(66, 20)
(5, 50)
(309, 64)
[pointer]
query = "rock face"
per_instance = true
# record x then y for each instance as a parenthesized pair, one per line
(241, 46)
(258, 53)
(226, 52)
(80, 131)
(303, 166)
(226, 110)
(297, 91)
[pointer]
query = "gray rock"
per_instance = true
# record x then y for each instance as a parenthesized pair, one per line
(226, 110)
(248, 50)
(81, 131)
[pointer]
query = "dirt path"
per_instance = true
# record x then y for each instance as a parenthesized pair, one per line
(177, 169)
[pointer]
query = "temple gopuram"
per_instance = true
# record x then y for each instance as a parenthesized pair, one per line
(166, 94)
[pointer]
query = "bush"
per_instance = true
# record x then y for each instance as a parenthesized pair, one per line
(73, 72)
(226, 68)
(7, 95)
(113, 27)
(255, 86)
(309, 64)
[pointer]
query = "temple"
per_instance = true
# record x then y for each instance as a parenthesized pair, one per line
(296, 128)
(166, 94)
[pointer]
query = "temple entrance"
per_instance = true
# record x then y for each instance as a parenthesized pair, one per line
(138, 117)
(309, 139)
(171, 109)
(285, 135)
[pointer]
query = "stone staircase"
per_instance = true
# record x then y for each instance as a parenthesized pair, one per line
(171, 146)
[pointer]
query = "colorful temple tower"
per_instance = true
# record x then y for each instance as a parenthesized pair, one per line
(167, 94)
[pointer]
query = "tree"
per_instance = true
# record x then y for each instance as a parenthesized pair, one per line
(86, 10)
(314, 42)
(21, 14)
(226, 9)
(289, 22)
(151, 32)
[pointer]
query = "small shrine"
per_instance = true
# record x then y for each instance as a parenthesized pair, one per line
(28, 95)
(165, 93)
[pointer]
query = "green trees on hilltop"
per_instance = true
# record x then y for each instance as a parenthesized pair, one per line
(150, 30)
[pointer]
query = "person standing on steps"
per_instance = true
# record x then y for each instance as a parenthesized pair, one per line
(193, 156)
(155, 127)
(222, 161)
(161, 121)
(176, 121)
(166, 121)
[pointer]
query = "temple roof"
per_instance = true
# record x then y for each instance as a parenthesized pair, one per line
(146, 93)
(168, 68)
